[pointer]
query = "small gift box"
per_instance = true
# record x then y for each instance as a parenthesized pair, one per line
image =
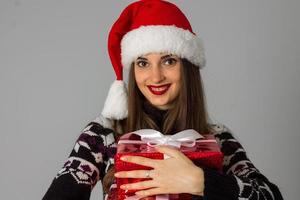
(203, 150)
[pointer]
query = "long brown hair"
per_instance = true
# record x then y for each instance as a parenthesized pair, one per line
(188, 110)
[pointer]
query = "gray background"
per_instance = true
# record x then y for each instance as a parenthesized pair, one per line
(55, 73)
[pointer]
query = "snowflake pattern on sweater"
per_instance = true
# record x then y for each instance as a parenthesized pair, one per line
(94, 151)
(251, 183)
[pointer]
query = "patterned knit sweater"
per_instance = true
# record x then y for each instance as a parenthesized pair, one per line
(94, 151)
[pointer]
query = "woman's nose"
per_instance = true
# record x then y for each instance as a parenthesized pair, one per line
(157, 74)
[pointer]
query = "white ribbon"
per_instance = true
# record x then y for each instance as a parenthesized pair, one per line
(153, 138)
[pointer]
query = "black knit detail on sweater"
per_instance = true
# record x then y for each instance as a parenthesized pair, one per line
(66, 188)
(219, 185)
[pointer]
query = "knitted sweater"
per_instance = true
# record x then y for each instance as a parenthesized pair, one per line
(94, 151)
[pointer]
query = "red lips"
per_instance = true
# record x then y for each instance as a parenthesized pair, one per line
(159, 90)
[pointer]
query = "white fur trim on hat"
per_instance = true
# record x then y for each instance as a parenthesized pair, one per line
(159, 38)
(115, 106)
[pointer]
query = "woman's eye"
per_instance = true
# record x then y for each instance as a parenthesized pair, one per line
(141, 63)
(170, 61)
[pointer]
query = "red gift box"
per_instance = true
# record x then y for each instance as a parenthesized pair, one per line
(203, 150)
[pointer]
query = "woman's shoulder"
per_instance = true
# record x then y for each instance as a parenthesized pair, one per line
(218, 128)
(222, 132)
(102, 121)
(226, 139)
(100, 126)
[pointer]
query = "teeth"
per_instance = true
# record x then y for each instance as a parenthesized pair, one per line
(158, 89)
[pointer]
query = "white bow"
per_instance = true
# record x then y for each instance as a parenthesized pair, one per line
(152, 137)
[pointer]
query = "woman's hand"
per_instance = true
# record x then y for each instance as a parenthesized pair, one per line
(174, 175)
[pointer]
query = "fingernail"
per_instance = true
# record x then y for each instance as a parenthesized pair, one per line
(123, 186)
(123, 158)
(117, 174)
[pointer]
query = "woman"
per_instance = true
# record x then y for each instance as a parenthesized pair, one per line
(154, 39)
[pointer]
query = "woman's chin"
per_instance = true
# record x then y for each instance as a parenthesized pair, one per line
(161, 106)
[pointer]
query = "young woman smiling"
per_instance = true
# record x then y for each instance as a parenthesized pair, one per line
(154, 39)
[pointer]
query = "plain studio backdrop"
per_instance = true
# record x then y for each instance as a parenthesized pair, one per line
(55, 73)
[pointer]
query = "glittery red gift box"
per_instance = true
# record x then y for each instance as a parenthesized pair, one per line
(206, 154)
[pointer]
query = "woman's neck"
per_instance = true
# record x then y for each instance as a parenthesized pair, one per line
(156, 114)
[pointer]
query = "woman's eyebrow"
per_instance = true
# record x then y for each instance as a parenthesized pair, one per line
(166, 56)
(163, 57)
(141, 58)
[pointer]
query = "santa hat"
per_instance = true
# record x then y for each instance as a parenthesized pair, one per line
(147, 26)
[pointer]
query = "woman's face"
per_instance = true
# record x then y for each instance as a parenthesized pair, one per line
(158, 76)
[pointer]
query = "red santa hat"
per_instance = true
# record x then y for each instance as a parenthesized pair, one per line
(147, 26)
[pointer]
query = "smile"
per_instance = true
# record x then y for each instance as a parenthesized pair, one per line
(159, 90)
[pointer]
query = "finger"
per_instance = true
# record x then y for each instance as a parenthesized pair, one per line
(170, 151)
(141, 160)
(133, 174)
(139, 185)
(150, 192)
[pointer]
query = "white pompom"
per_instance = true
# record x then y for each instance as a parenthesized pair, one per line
(115, 106)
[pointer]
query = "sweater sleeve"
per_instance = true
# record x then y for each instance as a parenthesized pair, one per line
(240, 178)
(88, 162)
